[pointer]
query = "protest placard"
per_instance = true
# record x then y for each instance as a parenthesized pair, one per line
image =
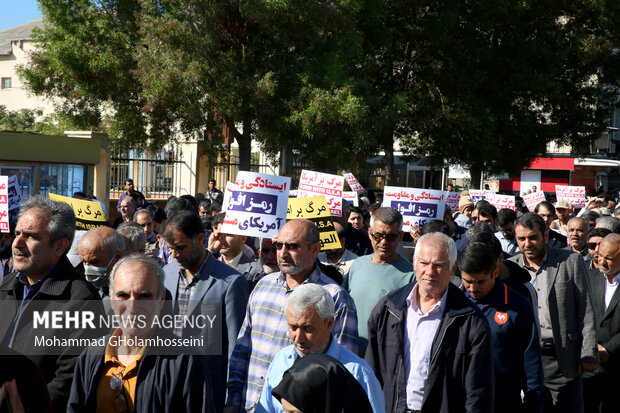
(4, 204)
(501, 201)
(479, 194)
(15, 193)
(88, 214)
(292, 193)
(353, 183)
(574, 195)
(416, 205)
(351, 196)
(256, 204)
(533, 199)
(452, 199)
(315, 209)
(317, 183)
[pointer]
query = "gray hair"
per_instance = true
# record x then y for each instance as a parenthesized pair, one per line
(152, 264)
(387, 215)
(135, 233)
(61, 217)
(609, 222)
(131, 201)
(307, 295)
(437, 237)
(144, 212)
(114, 244)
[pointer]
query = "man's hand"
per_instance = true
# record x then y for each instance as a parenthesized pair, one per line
(214, 245)
(586, 366)
(603, 355)
(415, 232)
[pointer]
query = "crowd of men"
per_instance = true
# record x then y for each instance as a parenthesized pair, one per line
(482, 311)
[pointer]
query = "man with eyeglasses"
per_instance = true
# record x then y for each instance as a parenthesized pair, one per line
(265, 329)
(129, 376)
(373, 276)
(506, 235)
(595, 236)
(546, 211)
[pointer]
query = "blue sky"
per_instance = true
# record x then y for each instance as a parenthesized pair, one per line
(17, 12)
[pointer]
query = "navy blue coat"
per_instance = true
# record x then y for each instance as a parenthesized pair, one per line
(516, 350)
(460, 375)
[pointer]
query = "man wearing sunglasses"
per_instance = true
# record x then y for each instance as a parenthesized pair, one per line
(373, 276)
(265, 329)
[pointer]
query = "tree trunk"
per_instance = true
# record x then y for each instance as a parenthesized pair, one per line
(474, 174)
(389, 161)
(286, 161)
(244, 140)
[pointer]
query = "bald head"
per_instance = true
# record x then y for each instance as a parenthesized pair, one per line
(609, 255)
(304, 227)
(99, 245)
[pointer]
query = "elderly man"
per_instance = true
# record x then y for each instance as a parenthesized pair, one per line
(144, 218)
(310, 316)
(135, 371)
(134, 236)
(232, 253)
(429, 346)
(45, 280)
(127, 210)
(340, 258)
(514, 332)
(130, 192)
(99, 249)
(195, 279)
(565, 312)
(577, 234)
(264, 331)
(373, 276)
(599, 386)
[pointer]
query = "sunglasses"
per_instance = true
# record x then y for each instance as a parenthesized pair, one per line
(291, 246)
(387, 237)
(593, 245)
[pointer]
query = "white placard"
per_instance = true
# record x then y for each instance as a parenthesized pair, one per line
(416, 205)
(479, 194)
(4, 204)
(330, 186)
(453, 199)
(15, 193)
(531, 200)
(353, 183)
(351, 196)
(501, 201)
(574, 195)
(257, 205)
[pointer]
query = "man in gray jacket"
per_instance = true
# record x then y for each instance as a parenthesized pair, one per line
(565, 312)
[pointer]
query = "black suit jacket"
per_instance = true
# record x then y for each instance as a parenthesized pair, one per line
(608, 321)
(62, 290)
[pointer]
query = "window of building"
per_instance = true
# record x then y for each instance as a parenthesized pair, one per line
(25, 177)
(5, 83)
(62, 179)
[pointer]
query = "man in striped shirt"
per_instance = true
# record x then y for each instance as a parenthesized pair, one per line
(265, 330)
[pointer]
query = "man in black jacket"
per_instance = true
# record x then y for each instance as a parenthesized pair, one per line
(141, 367)
(45, 281)
(429, 346)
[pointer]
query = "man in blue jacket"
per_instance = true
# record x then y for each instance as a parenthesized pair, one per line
(515, 336)
(429, 346)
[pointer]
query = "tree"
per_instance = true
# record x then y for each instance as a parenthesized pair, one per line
(488, 84)
(31, 120)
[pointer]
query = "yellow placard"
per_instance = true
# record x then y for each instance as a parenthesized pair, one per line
(88, 214)
(315, 209)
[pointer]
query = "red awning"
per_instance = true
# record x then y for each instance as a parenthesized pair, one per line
(562, 164)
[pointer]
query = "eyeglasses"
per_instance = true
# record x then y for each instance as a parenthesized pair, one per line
(387, 237)
(593, 245)
(291, 246)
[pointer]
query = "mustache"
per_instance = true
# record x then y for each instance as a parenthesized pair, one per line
(25, 253)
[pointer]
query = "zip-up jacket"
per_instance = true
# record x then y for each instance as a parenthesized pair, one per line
(460, 375)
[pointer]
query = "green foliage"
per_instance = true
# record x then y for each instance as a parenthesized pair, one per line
(32, 120)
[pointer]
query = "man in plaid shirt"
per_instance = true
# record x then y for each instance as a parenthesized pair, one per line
(265, 330)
